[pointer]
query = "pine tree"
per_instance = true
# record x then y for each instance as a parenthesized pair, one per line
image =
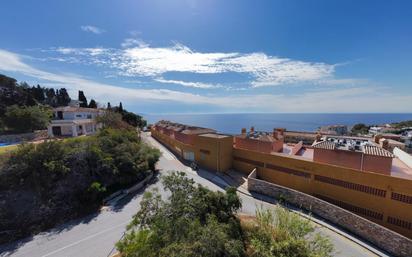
(109, 106)
(92, 104)
(82, 99)
(120, 107)
(51, 97)
(63, 98)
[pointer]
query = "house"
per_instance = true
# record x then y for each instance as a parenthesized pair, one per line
(73, 121)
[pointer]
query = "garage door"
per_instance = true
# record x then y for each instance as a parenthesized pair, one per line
(189, 156)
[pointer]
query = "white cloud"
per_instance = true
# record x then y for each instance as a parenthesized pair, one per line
(187, 84)
(138, 58)
(92, 29)
(129, 42)
(337, 100)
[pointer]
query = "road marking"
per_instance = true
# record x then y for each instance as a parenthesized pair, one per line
(85, 239)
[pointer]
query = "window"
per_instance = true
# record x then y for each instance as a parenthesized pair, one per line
(400, 223)
(78, 115)
(353, 208)
(89, 116)
(401, 198)
(353, 186)
(288, 171)
(204, 151)
(253, 162)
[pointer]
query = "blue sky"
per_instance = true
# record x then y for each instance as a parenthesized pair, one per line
(200, 56)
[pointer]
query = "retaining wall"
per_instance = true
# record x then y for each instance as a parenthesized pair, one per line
(16, 138)
(380, 236)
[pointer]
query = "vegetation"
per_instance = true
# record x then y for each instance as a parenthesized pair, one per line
(281, 233)
(46, 184)
(360, 128)
(402, 124)
(194, 221)
(24, 108)
(22, 119)
(129, 117)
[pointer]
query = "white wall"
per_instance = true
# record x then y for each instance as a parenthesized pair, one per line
(403, 156)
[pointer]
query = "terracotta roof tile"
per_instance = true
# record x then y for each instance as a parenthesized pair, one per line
(324, 145)
(377, 151)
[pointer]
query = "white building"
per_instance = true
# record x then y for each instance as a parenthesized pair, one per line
(73, 121)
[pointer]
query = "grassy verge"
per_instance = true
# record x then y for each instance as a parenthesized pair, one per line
(5, 149)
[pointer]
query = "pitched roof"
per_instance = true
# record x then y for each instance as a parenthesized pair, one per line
(377, 151)
(324, 145)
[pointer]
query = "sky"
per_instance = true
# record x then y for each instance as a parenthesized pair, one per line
(216, 56)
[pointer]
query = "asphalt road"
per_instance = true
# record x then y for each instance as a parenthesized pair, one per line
(96, 235)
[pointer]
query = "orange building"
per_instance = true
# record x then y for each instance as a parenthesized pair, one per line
(354, 153)
(260, 141)
(360, 177)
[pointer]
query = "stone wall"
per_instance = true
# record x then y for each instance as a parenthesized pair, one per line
(16, 138)
(382, 237)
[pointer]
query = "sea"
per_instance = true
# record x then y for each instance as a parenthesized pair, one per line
(233, 123)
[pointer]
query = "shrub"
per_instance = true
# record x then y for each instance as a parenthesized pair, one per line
(280, 232)
(193, 221)
(68, 178)
(26, 119)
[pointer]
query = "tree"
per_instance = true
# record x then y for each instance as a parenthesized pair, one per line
(133, 119)
(82, 99)
(63, 98)
(51, 97)
(120, 107)
(26, 119)
(110, 119)
(92, 104)
(109, 106)
(193, 221)
(360, 128)
(38, 93)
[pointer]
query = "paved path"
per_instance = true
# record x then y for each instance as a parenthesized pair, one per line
(95, 235)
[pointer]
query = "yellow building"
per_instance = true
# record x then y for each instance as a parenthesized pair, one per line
(203, 146)
(383, 199)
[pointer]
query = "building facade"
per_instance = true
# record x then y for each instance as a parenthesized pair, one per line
(73, 121)
(379, 189)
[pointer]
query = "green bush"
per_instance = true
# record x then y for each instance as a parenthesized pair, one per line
(26, 119)
(281, 233)
(193, 221)
(68, 178)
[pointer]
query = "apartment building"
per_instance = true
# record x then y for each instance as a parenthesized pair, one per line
(353, 173)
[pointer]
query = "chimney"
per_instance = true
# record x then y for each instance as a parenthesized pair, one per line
(252, 129)
(377, 138)
(384, 143)
(243, 131)
(275, 133)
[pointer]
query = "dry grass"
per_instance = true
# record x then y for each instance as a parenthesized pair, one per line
(6, 149)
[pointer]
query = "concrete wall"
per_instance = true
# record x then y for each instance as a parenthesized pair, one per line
(15, 138)
(403, 156)
(386, 239)
(66, 130)
(338, 157)
(354, 160)
(382, 199)
(209, 152)
(377, 164)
